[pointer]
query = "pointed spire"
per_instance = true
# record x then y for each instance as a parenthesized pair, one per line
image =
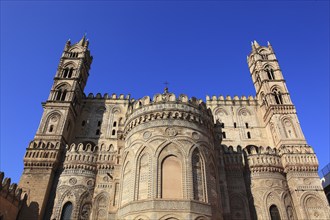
(256, 44)
(253, 47)
(270, 46)
(82, 41)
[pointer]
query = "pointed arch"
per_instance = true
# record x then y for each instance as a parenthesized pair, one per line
(127, 176)
(144, 176)
(289, 128)
(274, 213)
(198, 175)
(277, 94)
(67, 211)
(171, 171)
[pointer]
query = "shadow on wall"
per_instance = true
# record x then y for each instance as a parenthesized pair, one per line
(29, 211)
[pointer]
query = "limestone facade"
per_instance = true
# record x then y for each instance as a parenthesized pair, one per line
(171, 157)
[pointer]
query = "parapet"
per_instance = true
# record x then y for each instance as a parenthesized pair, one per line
(81, 156)
(168, 98)
(228, 100)
(106, 96)
(298, 158)
(10, 192)
(263, 159)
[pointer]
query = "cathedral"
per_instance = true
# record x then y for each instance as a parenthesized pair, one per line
(170, 157)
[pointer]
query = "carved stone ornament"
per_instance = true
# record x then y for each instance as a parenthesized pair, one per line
(72, 181)
(195, 135)
(147, 134)
(90, 183)
(171, 132)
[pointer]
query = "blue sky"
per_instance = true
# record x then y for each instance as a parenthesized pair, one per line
(199, 47)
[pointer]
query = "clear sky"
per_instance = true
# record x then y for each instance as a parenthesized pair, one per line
(199, 47)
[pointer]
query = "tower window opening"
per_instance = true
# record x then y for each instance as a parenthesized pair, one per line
(274, 213)
(247, 125)
(65, 72)
(113, 132)
(83, 123)
(270, 74)
(63, 95)
(235, 125)
(58, 95)
(98, 123)
(278, 97)
(115, 124)
(51, 128)
(67, 211)
(70, 73)
(248, 135)
(224, 135)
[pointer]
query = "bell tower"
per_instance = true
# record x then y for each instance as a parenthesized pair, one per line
(45, 152)
(279, 113)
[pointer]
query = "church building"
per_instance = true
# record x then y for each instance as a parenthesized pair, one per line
(170, 157)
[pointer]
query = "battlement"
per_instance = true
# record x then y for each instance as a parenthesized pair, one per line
(168, 98)
(10, 192)
(107, 96)
(228, 100)
(42, 153)
(233, 158)
(81, 156)
(263, 159)
(298, 158)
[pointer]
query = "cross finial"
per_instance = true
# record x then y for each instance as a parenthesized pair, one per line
(166, 87)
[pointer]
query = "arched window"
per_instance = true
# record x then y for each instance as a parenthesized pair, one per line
(248, 135)
(278, 96)
(60, 93)
(65, 72)
(51, 128)
(274, 213)
(70, 72)
(113, 132)
(66, 211)
(197, 167)
(270, 73)
(235, 125)
(115, 124)
(247, 125)
(223, 134)
(171, 178)
(63, 95)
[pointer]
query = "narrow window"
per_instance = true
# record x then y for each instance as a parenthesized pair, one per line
(63, 96)
(223, 135)
(70, 73)
(97, 132)
(98, 123)
(83, 123)
(272, 73)
(248, 135)
(247, 125)
(222, 125)
(235, 125)
(58, 95)
(115, 124)
(65, 72)
(67, 211)
(113, 132)
(274, 213)
(51, 128)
